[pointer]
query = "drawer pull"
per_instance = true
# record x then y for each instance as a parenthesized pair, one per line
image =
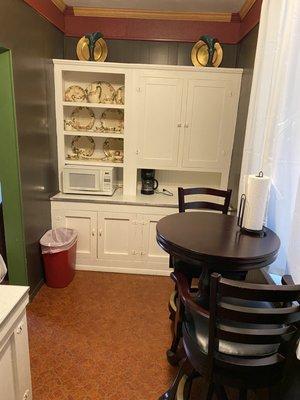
(19, 329)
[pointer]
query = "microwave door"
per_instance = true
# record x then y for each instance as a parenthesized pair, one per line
(84, 180)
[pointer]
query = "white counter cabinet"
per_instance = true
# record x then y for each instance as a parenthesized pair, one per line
(114, 237)
(15, 378)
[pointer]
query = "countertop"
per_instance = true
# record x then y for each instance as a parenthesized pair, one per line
(9, 297)
(155, 200)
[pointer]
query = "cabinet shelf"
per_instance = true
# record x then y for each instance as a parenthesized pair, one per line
(95, 134)
(94, 163)
(93, 105)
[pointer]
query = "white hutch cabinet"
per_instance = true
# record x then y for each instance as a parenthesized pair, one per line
(179, 121)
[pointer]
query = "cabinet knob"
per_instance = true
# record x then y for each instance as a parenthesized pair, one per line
(100, 232)
(186, 125)
(19, 329)
(93, 232)
(179, 124)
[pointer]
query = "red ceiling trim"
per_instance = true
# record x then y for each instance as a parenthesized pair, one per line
(251, 19)
(49, 11)
(235, 17)
(145, 29)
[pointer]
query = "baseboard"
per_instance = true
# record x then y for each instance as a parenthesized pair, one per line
(35, 290)
(124, 270)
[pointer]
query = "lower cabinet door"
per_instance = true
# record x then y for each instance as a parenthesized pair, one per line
(15, 378)
(85, 223)
(152, 252)
(117, 238)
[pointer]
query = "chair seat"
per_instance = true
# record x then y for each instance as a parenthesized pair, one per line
(198, 329)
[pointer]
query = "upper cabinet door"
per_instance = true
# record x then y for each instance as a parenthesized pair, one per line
(210, 124)
(159, 121)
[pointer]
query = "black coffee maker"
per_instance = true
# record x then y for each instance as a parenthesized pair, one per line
(149, 183)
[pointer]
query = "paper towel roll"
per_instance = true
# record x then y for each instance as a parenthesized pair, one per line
(257, 193)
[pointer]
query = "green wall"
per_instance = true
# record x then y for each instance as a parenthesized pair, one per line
(9, 175)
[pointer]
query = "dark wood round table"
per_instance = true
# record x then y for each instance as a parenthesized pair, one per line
(216, 242)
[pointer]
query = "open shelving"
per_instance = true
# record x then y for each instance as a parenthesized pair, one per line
(102, 127)
(95, 134)
(93, 105)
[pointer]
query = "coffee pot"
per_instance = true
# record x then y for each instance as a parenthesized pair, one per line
(149, 183)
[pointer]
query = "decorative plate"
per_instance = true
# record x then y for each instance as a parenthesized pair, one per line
(111, 121)
(113, 150)
(83, 118)
(68, 125)
(75, 93)
(83, 146)
(83, 52)
(120, 95)
(199, 54)
(100, 92)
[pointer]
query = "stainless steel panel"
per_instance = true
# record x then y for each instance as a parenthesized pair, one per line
(34, 42)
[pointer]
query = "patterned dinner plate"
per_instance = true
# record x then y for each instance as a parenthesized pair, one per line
(111, 120)
(83, 118)
(83, 146)
(75, 93)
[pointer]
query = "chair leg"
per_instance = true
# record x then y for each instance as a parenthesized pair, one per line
(220, 392)
(207, 391)
(170, 394)
(243, 394)
(171, 353)
(172, 305)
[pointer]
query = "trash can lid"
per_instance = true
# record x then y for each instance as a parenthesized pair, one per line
(59, 237)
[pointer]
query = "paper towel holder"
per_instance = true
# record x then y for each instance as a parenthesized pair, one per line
(259, 233)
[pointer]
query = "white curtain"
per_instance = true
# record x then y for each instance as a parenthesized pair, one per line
(272, 142)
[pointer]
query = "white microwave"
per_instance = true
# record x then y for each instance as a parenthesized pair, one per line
(86, 180)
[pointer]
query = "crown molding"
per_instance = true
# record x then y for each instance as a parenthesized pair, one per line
(60, 4)
(246, 7)
(149, 14)
(150, 25)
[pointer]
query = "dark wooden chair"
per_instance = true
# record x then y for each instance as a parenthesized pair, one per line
(191, 270)
(204, 205)
(246, 340)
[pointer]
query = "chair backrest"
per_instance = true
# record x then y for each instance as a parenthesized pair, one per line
(271, 324)
(198, 205)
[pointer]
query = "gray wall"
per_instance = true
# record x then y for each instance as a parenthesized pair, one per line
(245, 59)
(34, 42)
(150, 52)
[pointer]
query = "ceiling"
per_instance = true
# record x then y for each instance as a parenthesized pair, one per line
(201, 6)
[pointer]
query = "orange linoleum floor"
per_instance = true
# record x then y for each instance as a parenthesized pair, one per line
(103, 337)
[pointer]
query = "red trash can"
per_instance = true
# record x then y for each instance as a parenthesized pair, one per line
(59, 255)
